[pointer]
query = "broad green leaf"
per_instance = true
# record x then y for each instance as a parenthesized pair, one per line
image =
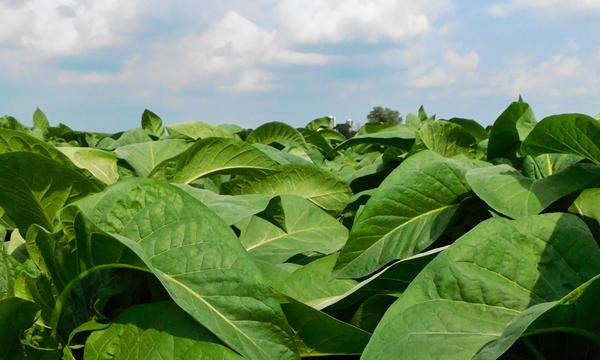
(304, 227)
(282, 157)
(369, 176)
(9, 122)
(7, 275)
(512, 194)
(86, 327)
(315, 139)
(144, 157)
(16, 315)
(393, 279)
(413, 121)
(14, 263)
(319, 334)
(472, 127)
(102, 164)
(469, 294)
(587, 204)
(331, 135)
(423, 115)
(64, 136)
(315, 283)
(545, 165)
(407, 213)
(232, 209)
(214, 156)
(59, 258)
(396, 135)
(152, 123)
(276, 274)
(322, 188)
(446, 138)
(197, 130)
(319, 123)
(53, 255)
(575, 313)
(371, 311)
(575, 134)
(511, 127)
(33, 188)
(40, 121)
(232, 128)
(155, 331)
(344, 166)
(312, 154)
(16, 141)
(135, 136)
(197, 258)
(276, 132)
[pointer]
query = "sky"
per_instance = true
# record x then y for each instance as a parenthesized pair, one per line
(97, 64)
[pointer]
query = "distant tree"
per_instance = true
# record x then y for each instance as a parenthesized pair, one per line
(384, 115)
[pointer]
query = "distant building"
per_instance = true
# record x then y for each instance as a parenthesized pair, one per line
(345, 128)
(331, 121)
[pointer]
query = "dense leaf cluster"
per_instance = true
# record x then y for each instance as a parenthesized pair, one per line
(433, 239)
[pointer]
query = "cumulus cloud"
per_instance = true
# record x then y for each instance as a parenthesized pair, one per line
(65, 27)
(233, 50)
(316, 21)
(252, 80)
(560, 75)
(94, 77)
(454, 69)
(549, 6)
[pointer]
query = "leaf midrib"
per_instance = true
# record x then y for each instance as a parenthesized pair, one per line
(211, 308)
(387, 235)
(214, 170)
(286, 234)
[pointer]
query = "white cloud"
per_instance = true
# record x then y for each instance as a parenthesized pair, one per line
(558, 76)
(549, 6)
(232, 51)
(317, 21)
(252, 80)
(65, 27)
(466, 62)
(94, 77)
(455, 68)
(435, 77)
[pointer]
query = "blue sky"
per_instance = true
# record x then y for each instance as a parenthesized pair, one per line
(97, 64)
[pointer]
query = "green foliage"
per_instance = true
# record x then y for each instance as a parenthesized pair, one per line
(509, 130)
(491, 275)
(290, 225)
(157, 330)
(447, 138)
(439, 239)
(40, 121)
(152, 123)
(576, 134)
(214, 156)
(406, 214)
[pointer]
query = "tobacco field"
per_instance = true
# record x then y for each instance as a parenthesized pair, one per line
(429, 239)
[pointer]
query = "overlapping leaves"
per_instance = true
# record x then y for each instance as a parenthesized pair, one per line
(280, 243)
